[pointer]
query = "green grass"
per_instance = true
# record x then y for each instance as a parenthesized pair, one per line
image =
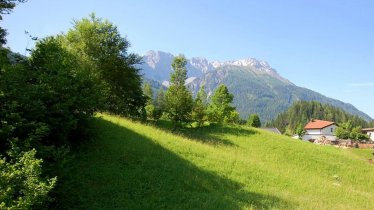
(129, 165)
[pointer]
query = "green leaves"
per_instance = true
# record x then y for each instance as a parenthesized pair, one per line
(347, 131)
(45, 100)
(21, 185)
(199, 112)
(178, 104)
(178, 99)
(101, 49)
(179, 75)
(220, 104)
(254, 121)
(301, 112)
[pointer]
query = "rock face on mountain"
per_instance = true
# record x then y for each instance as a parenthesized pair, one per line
(257, 87)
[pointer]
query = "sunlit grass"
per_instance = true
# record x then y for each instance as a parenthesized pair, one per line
(129, 165)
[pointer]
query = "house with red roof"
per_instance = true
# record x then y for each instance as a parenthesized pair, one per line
(317, 129)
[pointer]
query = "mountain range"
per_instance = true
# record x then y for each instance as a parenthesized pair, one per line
(257, 87)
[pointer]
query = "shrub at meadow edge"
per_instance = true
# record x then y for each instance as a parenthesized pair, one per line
(44, 101)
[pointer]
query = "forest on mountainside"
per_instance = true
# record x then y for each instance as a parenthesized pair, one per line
(302, 112)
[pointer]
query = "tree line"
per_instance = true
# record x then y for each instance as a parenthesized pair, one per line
(178, 105)
(300, 113)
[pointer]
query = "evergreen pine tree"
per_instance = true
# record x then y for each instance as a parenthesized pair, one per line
(220, 106)
(178, 98)
(199, 107)
(254, 121)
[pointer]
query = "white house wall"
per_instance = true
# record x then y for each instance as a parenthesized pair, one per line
(313, 131)
(324, 131)
(328, 132)
(371, 135)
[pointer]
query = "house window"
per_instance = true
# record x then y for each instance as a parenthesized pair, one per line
(332, 130)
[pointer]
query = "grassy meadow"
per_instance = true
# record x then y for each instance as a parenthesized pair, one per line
(129, 165)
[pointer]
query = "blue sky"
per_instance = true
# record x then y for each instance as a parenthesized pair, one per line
(323, 45)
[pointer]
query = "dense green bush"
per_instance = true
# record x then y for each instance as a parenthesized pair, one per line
(347, 131)
(43, 101)
(44, 98)
(21, 184)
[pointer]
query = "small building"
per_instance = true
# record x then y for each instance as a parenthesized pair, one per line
(274, 130)
(369, 132)
(320, 129)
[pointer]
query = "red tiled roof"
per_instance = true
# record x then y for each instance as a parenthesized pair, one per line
(318, 124)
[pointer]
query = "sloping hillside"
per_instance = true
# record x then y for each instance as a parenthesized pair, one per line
(133, 166)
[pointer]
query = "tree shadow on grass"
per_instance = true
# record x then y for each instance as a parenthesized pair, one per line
(122, 169)
(211, 134)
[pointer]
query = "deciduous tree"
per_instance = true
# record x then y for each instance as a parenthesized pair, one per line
(101, 48)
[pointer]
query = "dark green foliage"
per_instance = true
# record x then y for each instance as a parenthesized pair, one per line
(254, 121)
(43, 102)
(301, 112)
(199, 107)
(45, 97)
(179, 74)
(22, 185)
(220, 105)
(160, 104)
(148, 92)
(46, 100)
(300, 131)
(178, 104)
(100, 47)
(150, 107)
(178, 98)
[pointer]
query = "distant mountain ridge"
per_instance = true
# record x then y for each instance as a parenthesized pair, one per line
(257, 87)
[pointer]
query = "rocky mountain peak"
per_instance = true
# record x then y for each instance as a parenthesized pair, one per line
(201, 63)
(153, 58)
(161, 61)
